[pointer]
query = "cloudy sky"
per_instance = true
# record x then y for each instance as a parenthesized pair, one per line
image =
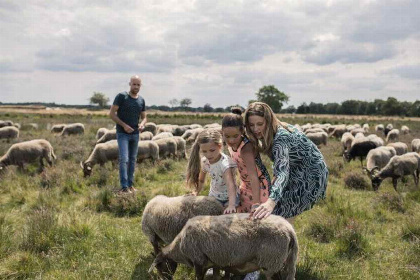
(217, 52)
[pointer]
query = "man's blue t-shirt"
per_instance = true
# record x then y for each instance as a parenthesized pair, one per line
(129, 110)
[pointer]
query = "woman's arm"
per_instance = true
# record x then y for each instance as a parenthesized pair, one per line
(248, 155)
(230, 182)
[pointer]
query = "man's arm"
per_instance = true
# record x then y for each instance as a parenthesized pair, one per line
(116, 119)
(143, 122)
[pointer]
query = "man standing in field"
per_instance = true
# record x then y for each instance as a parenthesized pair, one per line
(126, 111)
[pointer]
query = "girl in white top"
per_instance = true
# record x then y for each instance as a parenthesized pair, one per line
(220, 167)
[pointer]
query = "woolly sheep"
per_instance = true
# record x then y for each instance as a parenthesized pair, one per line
(193, 126)
(360, 147)
(181, 146)
(164, 128)
(350, 127)
(366, 127)
(28, 151)
(167, 147)
(357, 130)
(164, 217)
(314, 130)
(101, 154)
(180, 130)
(318, 138)
(346, 141)
(17, 125)
(375, 138)
(393, 135)
(388, 128)
(400, 147)
(338, 131)
(359, 135)
(377, 158)
(405, 130)
(9, 132)
(74, 128)
(148, 150)
(379, 128)
(190, 132)
(212, 125)
(101, 131)
(146, 135)
(415, 145)
(5, 123)
(162, 135)
(399, 166)
(57, 128)
(234, 243)
(108, 136)
(150, 126)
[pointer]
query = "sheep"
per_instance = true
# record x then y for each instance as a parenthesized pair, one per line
(350, 127)
(359, 135)
(314, 130)
(181, 145)
(9, 132)
(57, 128)
(17, 125)
(212, 125)
(360, 147)
(388, 128)
(167, 147)
(74, 128)
(190, 132)
(234, 243)
(366, 127)
(102, 153)
(393, 135)
(180, 130)
(5, 123)
(150, 126)
(357, 130)
(101, 131)
(148, 149)
(398, 166)
(377, 158)
(108, 136)
(338, 131)
(400, 147)
(318, 138)
(415, 145)
(162, 135)
(375, 138)
(193, 126)
(164, 217)
(379, 128)
(146, 135)
(405, 130)
(28, 151)
(164, 128)
(346, 141)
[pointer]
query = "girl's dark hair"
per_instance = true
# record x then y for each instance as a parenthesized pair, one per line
(234, 119)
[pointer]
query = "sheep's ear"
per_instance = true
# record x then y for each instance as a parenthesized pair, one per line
(81, 165)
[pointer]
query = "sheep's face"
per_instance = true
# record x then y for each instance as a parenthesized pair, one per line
(2, 167)
(165, 267)
(376, 182)
(87, 169)
(346, 156)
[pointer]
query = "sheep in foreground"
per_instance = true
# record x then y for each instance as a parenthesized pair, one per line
(167, 147)
(9, 132)
(108, 136)
(164, 217)
(146, 135)
(377, 158)
(393, 135)
(27, 152)
(57, 128)
(346, 140)
(399, 166)
(101, 154)
(405, 130)
(162, 135)
(181, 146)
(318, 138)
(415, 145)
(101, 131)
(148, 150)
(360, 147)
(234, 243)
(74, 128)
(400, 147)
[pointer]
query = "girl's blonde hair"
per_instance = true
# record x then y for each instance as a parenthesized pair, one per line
(194, 163)
(261, 109)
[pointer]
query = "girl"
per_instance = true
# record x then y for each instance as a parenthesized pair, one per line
(219, 165)
(300, 172)
(255, 180)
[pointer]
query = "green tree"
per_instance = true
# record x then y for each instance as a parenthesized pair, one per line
(273, 97)
(184, 103)
(207, 108)
(99, 98)
(391, 107)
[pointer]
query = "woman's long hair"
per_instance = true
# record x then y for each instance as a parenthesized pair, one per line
(194, 162)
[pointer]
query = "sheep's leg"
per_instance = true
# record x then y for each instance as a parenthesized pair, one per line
(199, 271)
(395, 182)
(416, 177)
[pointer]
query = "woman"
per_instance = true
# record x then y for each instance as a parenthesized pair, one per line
(300, 172)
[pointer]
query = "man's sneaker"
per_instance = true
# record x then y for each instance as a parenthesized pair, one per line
(132, 189)
(124, 191)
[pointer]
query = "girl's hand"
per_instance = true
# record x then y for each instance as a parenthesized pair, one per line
(263, 210)
(229, 210)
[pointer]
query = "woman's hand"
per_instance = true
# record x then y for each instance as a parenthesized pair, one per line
(262, 210)
(230, 210)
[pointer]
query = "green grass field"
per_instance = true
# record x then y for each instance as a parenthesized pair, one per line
(60, 225)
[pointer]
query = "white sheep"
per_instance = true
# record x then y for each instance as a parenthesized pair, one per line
(366, 127)
(164, 128)
(74, 128)
(146, 135)
(181, 147)
(399, 166)
(405, 130)
(234, 243)
(5, 123)
(190, 132)
(357, 130)
(346, 140)
(162, 135)
(377, 158)
(338, 131)
(375, 138)
(108, 136)
(388, 128)
(379, 128)
(318, 138)
(148, 150)
(150, 126)
(101, 154)
(400, 147)
(314, 130)
(27, 152)
(393, 135)
(101, 131)
(164, 217)
(57, 128)
(9, 132)
(167, 147)
(415, 145)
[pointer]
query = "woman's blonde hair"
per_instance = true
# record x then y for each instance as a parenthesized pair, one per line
(261, 109)
(194, 162)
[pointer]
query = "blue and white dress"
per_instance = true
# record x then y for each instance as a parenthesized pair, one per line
(300, 171)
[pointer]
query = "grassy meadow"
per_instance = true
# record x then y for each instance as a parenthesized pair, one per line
(60, 225)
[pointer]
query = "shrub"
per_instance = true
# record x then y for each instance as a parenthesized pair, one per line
(391, 201)
(322, 229)
(355, 180)
(335, 168)
(351, 241)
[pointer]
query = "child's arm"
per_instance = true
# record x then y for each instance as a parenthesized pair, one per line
(230, 182)
(201, 181)
(248, 155)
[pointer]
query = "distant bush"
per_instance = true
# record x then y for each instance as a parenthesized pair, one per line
(391, 201)
(355, 180)
(322, 230)
(351, 240)
(335, 168)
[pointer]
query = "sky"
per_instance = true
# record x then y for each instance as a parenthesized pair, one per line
(217, 52)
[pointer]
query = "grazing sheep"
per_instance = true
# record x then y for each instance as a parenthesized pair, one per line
(102, 153)
(57, 128)
(377, 158)
(393, 135)
(338, 131)
(180, 130)
(234, 243)
(359, 135)
(28, 151)
(167, 147)
(164, 128)
(357, 130)
(9, 132)
(415, 145)
(346, 141)
(400, 147)
(212, 125)
(405, 130)
(162, 135)
(5, 123)
(399, 166)
(164, 217)
(388, 128)
(318, 138)
(190, 132)
(193, 126)
(181, 146)
(108, 136)
(350, 127)
(366, 127)
(360, 147)
(150, 126)
(74, 128)
(356, 125)
(148, 150)
(380, 128)
(101, 131)
(314, 130)
(146, 135)
(375, 138)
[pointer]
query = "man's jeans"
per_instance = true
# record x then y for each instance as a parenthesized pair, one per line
(128, 145)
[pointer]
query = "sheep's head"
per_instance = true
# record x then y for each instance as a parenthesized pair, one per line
(165, 267)
(376, 182)
(2, 167)
(87, 168)
(346, 156)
